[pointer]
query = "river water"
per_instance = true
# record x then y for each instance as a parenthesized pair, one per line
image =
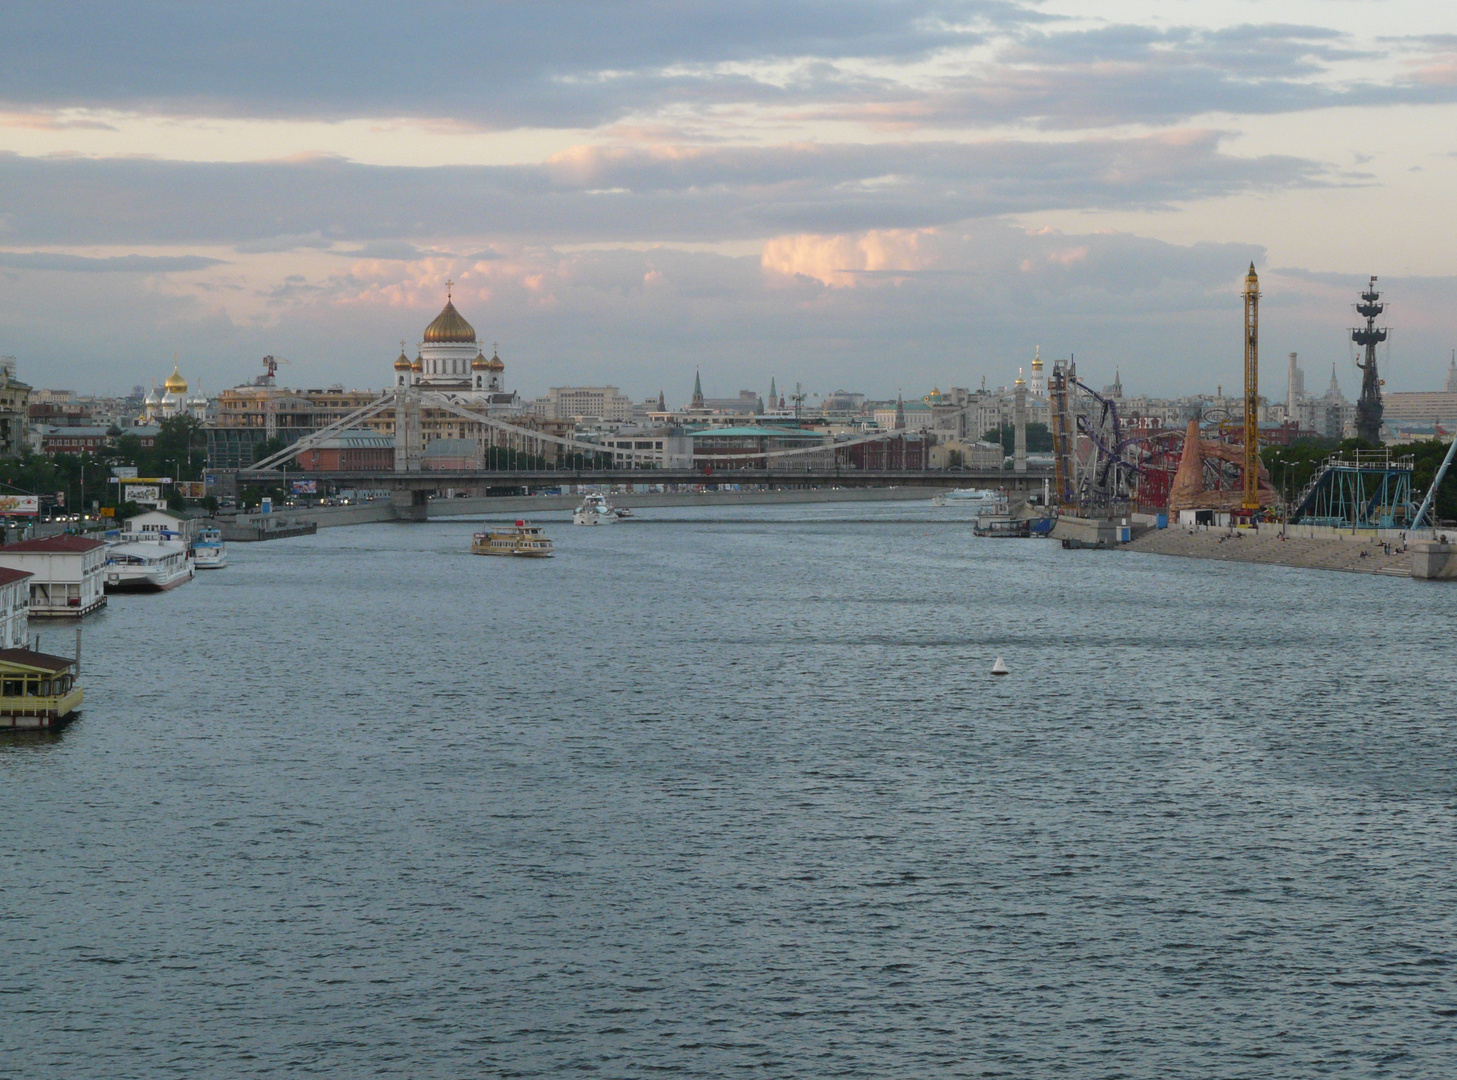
(731, 792)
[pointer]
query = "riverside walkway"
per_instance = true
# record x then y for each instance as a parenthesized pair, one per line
(1353, 555)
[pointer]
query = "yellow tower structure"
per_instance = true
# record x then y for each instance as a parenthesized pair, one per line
(1252, 390)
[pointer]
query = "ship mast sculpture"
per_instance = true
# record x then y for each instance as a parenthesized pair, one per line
(1369, 407)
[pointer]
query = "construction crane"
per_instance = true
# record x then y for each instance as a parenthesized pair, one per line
(798, 398)
(270, 364)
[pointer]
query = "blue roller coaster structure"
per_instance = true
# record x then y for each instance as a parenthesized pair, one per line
(1358, 489)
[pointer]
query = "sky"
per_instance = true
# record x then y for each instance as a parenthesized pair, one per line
(880, 197)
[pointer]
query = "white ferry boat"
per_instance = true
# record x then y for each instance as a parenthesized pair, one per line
(147, 566)
(208, 550)
(977, 495)
(595, 510)
(523, 540)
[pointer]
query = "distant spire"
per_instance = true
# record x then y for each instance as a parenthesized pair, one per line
(697, 390)
(773, 391)
(662, 402)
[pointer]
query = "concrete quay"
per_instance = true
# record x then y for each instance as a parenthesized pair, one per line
(290, 521)
(1360, 555)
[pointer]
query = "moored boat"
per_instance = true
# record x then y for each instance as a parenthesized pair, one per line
(147, 566)
(1002, 526)
(208, 550)
(37, 690)
(522, 540)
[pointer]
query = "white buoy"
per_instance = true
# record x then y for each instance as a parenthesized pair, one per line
(1000, 667)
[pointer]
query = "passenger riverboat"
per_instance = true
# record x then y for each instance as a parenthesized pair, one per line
(37, 690)
(208, 550)
(522, 540)
(147, 566)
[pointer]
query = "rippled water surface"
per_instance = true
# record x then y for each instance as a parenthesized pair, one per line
(731, 792)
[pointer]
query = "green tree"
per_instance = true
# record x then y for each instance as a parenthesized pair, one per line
(1039, 438)
(272, 446)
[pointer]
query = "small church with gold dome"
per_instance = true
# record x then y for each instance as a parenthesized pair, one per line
(174, 400)
(450, 361)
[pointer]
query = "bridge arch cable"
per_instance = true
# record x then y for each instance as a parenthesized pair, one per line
(436, 401)
(308, 442)
(449, 406)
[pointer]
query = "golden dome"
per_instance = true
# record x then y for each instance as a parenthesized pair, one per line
(450, 327)
(175, 383)
(495, 363)
(403, 363)
(418, 366)
(480, 363)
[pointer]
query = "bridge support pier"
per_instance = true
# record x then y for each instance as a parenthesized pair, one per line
(410, 505)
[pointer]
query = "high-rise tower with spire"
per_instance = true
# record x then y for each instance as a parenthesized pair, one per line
(697, 392)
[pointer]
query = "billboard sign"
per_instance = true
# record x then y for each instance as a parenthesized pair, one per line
(143, 493)
(192, 489)
(124, 472)
(18, 505)
(305, 487)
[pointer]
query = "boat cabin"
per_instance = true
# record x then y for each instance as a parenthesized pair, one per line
(37, 690)
(14, 608)
(66, 573)
(160, 525)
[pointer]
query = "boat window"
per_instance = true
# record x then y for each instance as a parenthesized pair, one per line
(45, 688)
(12, 687)
(32, 686)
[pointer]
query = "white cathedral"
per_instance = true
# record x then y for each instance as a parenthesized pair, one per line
(451, 362)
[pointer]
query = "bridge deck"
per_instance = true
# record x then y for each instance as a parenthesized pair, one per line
(538, 478)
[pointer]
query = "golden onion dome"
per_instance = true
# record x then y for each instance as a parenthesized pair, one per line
(495, 363)
(418, 366)
(403, 363)
(175, 383)
(480, 363)
(449, 327)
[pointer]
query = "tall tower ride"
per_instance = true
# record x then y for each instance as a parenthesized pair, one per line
(1252, 390)
(1368, 405)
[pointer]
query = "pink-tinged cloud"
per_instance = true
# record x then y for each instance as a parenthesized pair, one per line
(1437, 71)
(49, 121)
(840, 261)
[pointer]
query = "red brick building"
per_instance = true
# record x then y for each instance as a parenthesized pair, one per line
(354, 450)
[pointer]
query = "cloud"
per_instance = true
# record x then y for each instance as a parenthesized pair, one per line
(633, 194)
(130, 264)
(459, 65)
(548, 62)
(947, 305)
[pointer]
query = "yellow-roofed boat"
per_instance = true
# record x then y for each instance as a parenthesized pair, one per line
(523, 540)
(37, 690)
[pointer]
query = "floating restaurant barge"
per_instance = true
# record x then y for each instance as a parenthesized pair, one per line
(37, 691)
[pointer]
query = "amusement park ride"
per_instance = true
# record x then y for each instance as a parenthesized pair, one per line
(1102, 468)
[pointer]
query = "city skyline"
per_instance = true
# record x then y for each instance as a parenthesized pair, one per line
(810, 192)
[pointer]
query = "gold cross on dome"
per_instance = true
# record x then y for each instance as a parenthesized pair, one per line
(448, 286)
